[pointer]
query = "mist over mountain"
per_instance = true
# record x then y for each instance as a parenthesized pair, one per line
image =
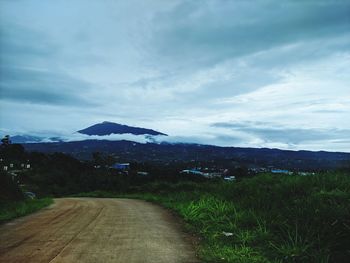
(131, 143)
(108, 128)
(26, 139)
(100, 131)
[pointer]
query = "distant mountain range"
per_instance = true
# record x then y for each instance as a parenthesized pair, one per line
(108, 128)
(130, 151)
(154, 150)
(100, 129)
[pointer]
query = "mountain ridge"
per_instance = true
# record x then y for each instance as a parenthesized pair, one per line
(108, 128)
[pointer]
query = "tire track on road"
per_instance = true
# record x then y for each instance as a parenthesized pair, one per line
(77, 234)
(93, 230)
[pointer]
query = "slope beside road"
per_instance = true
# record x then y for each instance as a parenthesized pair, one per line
(96, 230)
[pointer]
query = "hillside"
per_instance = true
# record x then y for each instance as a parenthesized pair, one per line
(170, 153)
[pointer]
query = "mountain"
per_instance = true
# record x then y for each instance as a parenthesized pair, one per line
(107, 128)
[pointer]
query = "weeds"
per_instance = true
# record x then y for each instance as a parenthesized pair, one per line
(272, 218)
(10, 210)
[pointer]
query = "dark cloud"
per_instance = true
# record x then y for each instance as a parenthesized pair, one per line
(204, 32)
(270, 132)
(42, 87)
(21, 80)
(21, 45)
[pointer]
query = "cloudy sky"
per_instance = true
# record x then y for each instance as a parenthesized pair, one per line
(266, 73)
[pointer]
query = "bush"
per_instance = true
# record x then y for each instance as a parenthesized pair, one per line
(267, 218)
(10, 210)
(9, 190)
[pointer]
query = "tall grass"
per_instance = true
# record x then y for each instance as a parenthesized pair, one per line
(10, 210)
(268, 218)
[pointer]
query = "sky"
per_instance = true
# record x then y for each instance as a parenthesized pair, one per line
(266, 73)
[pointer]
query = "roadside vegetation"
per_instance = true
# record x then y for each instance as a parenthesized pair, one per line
(261, 218)
(14, 203)
(267, 218)
(14, 209)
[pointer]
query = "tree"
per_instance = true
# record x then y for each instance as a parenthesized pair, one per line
(6, 140)
(102, 159)
(13, 153)
(9, 190)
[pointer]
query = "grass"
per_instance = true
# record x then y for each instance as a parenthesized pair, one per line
(11, 210)
(268, 218)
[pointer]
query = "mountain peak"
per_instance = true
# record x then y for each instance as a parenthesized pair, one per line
(108, 128)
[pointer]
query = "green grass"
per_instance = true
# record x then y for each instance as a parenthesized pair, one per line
(11, 210)
(272, 218)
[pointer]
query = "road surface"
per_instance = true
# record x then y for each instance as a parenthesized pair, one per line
(96, 230)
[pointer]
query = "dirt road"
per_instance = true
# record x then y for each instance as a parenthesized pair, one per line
(96, 230)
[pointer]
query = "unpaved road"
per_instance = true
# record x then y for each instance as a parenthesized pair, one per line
(96, 230)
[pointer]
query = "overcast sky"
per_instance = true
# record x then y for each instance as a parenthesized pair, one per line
(266, 73)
